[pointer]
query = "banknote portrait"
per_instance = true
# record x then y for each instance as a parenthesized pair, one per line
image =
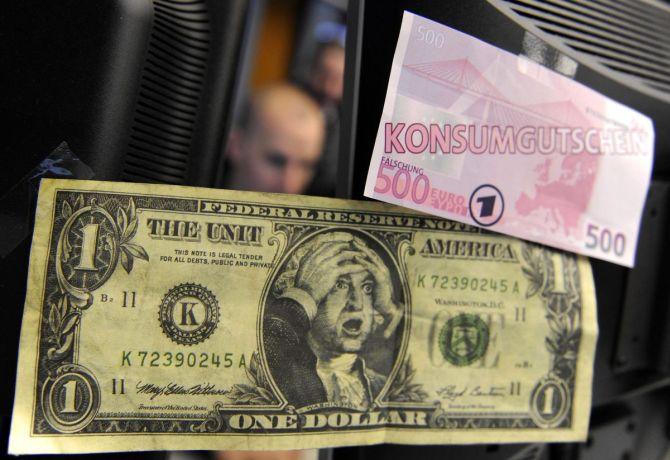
(330, 323)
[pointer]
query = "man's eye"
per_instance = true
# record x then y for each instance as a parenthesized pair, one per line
(276, 159)
(367, 288)
(341, 285)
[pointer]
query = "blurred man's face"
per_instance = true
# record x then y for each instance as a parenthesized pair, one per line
(345, 317)
(282, 147)
(328, 75)
(282, 162)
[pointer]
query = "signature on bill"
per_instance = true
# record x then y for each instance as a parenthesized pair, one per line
(453, 392)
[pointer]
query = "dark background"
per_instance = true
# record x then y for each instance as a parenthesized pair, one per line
(74, 70)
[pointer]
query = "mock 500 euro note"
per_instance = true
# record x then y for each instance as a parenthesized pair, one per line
(479, 135)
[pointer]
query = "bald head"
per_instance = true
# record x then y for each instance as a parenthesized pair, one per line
(280, 143)
(285, 111)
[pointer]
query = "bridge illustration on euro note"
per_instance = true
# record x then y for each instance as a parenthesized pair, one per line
(490, 104)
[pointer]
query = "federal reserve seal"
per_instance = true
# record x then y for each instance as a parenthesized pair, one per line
(464, 339)
(189, 314)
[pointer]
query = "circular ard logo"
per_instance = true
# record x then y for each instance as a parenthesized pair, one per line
(486, 205)
(189, 314)
(464, 339)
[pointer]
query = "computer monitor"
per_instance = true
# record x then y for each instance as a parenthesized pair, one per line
(139, 89)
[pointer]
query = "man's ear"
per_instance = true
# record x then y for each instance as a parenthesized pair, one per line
(234, 147)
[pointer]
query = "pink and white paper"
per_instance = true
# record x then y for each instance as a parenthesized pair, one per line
(475, 134)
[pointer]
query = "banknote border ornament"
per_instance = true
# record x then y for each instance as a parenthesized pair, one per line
(554, 277)
(65, 312)
(88, 394)
(403, 388)
(258, 391)
(115, 226)
(559, 395)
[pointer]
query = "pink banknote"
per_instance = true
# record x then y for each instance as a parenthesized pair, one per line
(475, 134)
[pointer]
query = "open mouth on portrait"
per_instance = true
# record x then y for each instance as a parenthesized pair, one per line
(352, 327)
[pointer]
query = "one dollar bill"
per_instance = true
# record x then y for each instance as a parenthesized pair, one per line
(164, 317)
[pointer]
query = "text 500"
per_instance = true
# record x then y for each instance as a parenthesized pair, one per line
(605, 240)
(430, 36)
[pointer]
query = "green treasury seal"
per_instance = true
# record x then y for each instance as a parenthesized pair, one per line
(464, 339)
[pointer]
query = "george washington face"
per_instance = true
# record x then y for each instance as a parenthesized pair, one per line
(344, 319)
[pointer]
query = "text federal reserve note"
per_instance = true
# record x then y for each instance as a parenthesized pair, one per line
(164, 317)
